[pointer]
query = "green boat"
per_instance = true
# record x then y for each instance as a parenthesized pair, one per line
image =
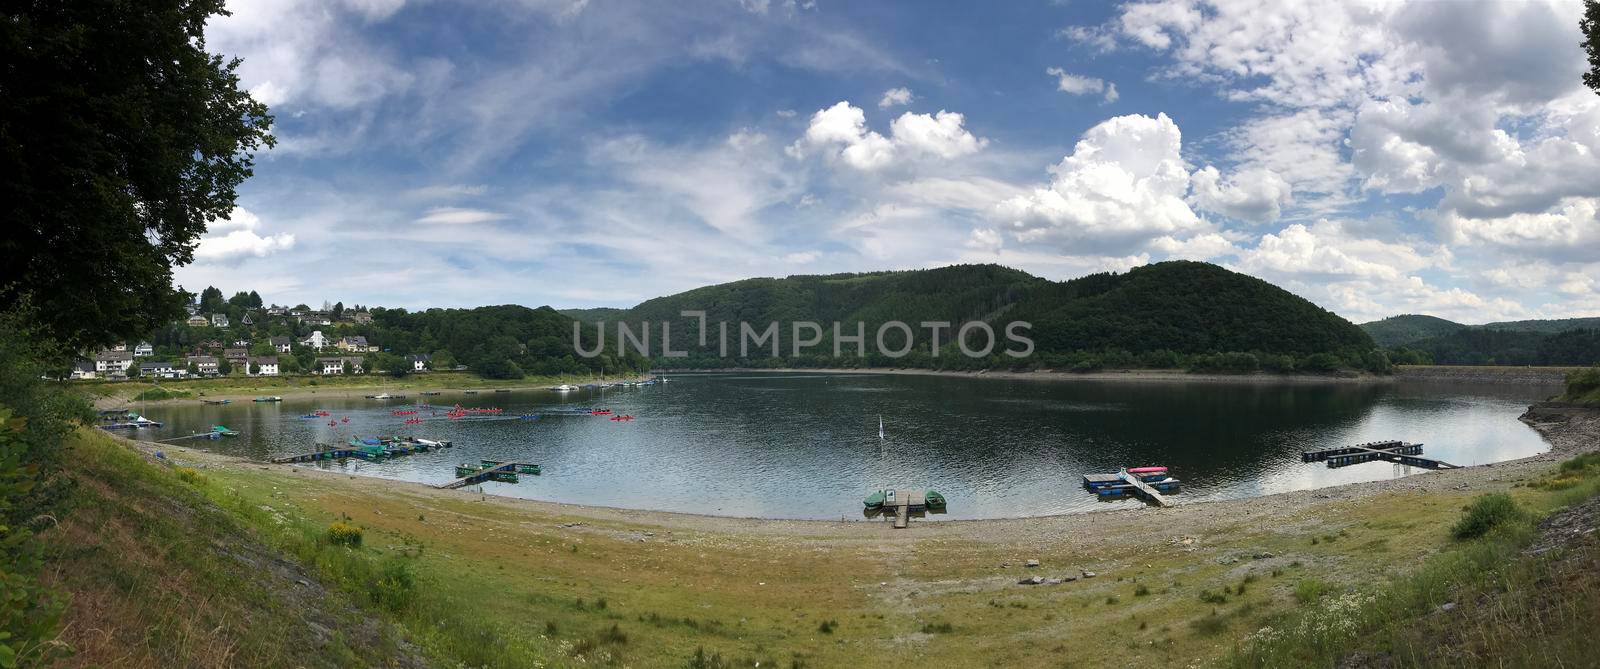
(517, 467)
(224, 431)
(934, 500)
(875, 500)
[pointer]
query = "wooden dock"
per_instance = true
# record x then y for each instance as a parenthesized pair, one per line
(485, 474)
(330, 454)
(1143, 489)
(1395, 451)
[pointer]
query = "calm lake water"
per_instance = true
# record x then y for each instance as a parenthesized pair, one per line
(806, 445)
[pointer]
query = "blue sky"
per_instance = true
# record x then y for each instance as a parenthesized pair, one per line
(1376, 158)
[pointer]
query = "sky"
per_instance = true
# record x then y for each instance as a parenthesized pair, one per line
(1376, 158)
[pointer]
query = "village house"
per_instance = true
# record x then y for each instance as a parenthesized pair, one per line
(219, 320)
(119, 346)
(197, 321)
(83, 369)
(419, 362)
(144, 350)
(205, 365)
(236, 356)
(276, 310)
(211, 343)
(245, 319)
(163, 370)
(316, 340)
(263, 366)
(356, 344)
(339, 365)
(280, 344)
(355, 365)
(241, 343)
(361, 318)
(113, 363)
(317, 318)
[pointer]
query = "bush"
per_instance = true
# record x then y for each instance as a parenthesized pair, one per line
(1309, 590)
(1320, 362)
(190, 476)
(1486, 513)
(344, 534)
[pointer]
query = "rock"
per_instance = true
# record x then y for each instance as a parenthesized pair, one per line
(1069, 579)
(1447, 607)
(1088, 574)
(304, 582)
(1227, 559)
(1031, 563)
(1263, 555)
(1052, 581)
(1032, 580)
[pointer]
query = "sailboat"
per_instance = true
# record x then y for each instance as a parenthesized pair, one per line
(880, 426)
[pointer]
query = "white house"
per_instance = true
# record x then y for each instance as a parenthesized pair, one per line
(316, 340)
(219, 320)
(143, 350)
(83, 369)
(331, 365)
(419, 362)
(264, 365)
(280, 343)
(204, 364)
(113, 363)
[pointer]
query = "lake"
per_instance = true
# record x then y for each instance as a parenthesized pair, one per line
(806, 445)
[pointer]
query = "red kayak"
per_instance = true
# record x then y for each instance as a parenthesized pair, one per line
(1148, 470)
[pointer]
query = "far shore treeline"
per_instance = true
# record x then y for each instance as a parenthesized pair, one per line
(1177, 315)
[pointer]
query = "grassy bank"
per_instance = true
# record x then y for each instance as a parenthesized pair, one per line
(497, 582)
(1520, 587)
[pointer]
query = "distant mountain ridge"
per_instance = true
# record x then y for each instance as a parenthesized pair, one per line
(1408, 328)
(1166, 310)
(1563, 341)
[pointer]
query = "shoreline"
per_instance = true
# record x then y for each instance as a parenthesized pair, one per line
(341, 391)
(1554, 376)
(1568, 430)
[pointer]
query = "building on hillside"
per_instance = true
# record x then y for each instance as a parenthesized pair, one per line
(330, 365)
(419, 362)
(164, 370)
(219, 320)
(197, 321)
(191, 308)
(317, 318)
(276, 310)
(316, 340)
(113, 363)
(143, 350)
(205, 365)
(361, 318)
(241, 343)
(266, 365)
(83, 369)
(280, 344)
(211, 343)
(236, 356)
(119, 347)
(355, 365)
(356, 344)
(244, 319)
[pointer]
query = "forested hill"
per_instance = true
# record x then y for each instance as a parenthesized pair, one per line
(1408, 328)
(1164, 315)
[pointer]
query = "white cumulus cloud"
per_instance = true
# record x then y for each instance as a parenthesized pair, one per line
(240, 239)
(1076, 84)
(895, 97)
(841, 130)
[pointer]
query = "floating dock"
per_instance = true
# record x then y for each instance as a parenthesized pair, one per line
(1395, 451)
(903, 503)
(505, 471)
(385, 448)
(1123, 484)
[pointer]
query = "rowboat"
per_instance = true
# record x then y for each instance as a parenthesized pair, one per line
(223, 430)
(934, 500)
(875, 500)
(519, 468)
(269, 398)
(217, 401)
(1148, 470)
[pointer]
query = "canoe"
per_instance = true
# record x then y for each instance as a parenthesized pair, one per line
(934, 500)
(1148, 470)
(875, 500)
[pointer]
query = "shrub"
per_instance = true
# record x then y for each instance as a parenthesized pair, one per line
(828, 626)
(344, 534)
(190, 476)
(938, 628)
(613, 635)
(1210, 597)
(1309, 590)
(396, 586)
(1486, 513)
(1141, 591)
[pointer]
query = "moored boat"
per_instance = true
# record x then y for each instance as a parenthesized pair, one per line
(269, 398)
(223, 430)
(217, 401)
(875, 500)
(934, 500)
(518, 467)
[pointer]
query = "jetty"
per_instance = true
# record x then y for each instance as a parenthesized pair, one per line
(369, 449)
(1152, 488)
(902, 503)
(503, 471)
(1398, 452)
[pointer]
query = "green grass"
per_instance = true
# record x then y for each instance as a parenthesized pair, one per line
(1484, 600)
(159, 393)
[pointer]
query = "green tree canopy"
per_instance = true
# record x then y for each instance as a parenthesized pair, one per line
(121, 138)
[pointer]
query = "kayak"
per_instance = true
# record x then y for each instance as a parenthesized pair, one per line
(1148, 470)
